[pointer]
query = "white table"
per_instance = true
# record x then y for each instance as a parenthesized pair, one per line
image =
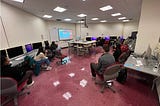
(19, 60)
(81, 44)
(132, 63)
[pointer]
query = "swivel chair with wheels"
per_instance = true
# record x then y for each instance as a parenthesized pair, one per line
(11, 91)
(110, 73)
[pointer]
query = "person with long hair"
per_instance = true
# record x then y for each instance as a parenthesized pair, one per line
(16, 73)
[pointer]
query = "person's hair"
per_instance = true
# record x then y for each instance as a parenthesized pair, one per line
(106, 48)
(53, 42)
(3, 60)
(40, 50)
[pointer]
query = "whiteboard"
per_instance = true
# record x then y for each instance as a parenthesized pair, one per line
(54, 34)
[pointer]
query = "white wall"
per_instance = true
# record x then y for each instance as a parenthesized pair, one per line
(53, 29)
(55, 25)
(149, 26)
(21, 27)
(117, 29)
(129, 27)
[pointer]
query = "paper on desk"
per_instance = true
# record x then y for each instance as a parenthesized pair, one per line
(71, 74)
(133, 58)
(83, 83)
(56, 83)
(139, 63)
(128, 65)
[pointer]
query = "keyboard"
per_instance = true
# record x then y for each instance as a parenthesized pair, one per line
(20, 58)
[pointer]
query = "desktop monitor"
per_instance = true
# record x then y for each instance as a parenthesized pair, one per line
(37, 45)
(46, 42)
(121, 37)
(113, 37)
(28, 47)
(3, 53)
(134, 35)
(93, 38)
(107, 38)
(15, 51)
(88, 38)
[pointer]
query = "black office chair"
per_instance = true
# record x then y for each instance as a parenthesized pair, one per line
(10, 90)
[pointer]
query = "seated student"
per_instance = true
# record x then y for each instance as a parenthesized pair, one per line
(55, 49)
(48, 51)
(14, 72)
(104, 61)
(117, 52)
(47, 46)
(40, 58)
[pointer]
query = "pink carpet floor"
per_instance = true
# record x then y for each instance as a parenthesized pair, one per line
(44, 93)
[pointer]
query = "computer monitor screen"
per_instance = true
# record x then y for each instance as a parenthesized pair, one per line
(15, 51)
(88, 38)
(28, 47)
(107, 38)
(113, 37)
(93, 38)
(46, 42)
(3, 53)
(37, 45)
(134, 35)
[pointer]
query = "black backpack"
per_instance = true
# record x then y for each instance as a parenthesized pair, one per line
(122, 75)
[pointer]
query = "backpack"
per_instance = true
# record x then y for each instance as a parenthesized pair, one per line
(122, 75)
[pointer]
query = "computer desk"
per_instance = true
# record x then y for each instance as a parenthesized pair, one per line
(131, 63)
(19, 60)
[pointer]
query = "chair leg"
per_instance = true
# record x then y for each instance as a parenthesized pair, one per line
(102, 89)
(7, 101)
(15, 101)
(109, 85)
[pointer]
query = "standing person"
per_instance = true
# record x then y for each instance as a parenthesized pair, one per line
(104, 61)
(14, 72)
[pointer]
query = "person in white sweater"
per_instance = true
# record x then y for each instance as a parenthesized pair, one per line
(40, 58)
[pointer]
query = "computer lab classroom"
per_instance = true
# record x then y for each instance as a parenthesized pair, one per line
(80, 52)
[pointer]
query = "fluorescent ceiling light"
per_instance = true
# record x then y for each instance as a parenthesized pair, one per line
(122, 18)
(80, 21)
(103, 21)
(21, 1)
(125, 20)
(47, 16)
(59, 9)
(83, 0)
(95, 19)
(67, 19)
(116, 14)
(81, 15)
(106, 8)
